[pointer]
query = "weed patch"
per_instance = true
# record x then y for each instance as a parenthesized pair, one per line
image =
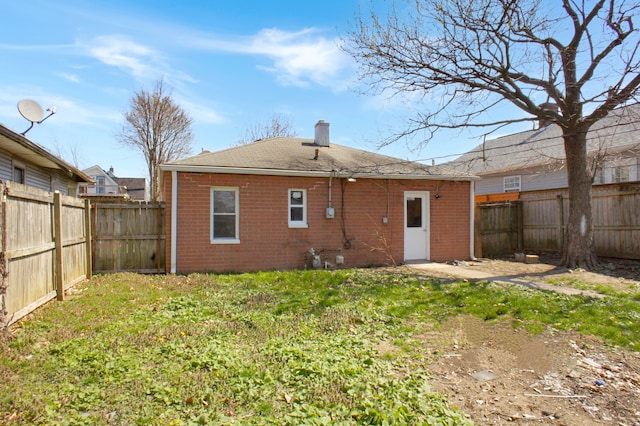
(300, 347)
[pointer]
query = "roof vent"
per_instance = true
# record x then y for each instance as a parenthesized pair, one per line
(322, 133)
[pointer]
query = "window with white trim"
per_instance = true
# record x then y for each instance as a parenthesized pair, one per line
(225, 215)
(297, 208)
(599, 176)
(100, 184)
(620, 174)
(512, 183)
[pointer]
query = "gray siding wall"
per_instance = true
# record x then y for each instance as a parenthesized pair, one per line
(489, 185)
(544, 180)
(5, 166)
(37, 177)
(531, 180)
(528, 182)
(63, 184)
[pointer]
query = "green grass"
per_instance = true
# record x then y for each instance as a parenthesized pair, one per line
(267, 348)
(632, 289)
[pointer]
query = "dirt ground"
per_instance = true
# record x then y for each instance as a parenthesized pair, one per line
(499, 375)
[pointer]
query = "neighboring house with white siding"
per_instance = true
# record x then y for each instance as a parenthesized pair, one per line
(25, 162)
(107, 184)
(535, 160)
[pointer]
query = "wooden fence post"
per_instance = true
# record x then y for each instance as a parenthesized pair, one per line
(87, 233)
(57, 235)
(477, 240)
(560, 223)
(4, 261)
(159, 232)
(520, 225)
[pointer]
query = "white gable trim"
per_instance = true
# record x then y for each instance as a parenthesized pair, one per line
(305, 173)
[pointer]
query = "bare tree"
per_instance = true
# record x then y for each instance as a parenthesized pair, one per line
(470, 57)
(156, 126)
(72, 153)
(278, 126)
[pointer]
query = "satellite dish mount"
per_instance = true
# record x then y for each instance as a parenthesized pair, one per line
(32, 111)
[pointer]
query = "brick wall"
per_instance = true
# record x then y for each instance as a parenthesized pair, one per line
(266, 241)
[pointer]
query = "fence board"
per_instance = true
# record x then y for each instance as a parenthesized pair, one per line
(545, 214)
(128, 237)
(36, 266)
(29, 247)
(498, 227)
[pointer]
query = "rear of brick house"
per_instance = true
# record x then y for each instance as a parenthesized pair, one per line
(277, 203)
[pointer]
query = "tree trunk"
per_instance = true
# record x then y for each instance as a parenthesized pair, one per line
(153, 181)
(578, 249)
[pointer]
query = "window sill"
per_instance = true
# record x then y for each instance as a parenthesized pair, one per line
(298, 225)
(225, 241)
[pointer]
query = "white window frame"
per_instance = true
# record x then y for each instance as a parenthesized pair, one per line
(297, 223)
(101, 183)
(508, 183)
(225, 240)
(599, 176)
(620, 173)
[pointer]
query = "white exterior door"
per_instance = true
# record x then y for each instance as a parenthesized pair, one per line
(416, 225)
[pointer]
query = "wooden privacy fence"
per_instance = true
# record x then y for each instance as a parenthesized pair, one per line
(537, 223)
(128, 237)
(45, 247)
(498, 228)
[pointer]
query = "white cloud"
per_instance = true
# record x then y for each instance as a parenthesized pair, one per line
(120, 52)
(298, 58)
(71, 77)
(142, 62)
(200, 113)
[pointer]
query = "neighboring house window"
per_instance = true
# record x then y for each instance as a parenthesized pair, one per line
(100, 183)
(511, 183)
(620, 174)
(19, 173)
(599, 178)
(297, 208)
(225, 220)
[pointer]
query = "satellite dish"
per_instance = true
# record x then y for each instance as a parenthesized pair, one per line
(32, 111)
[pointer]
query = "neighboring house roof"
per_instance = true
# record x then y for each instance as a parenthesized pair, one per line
(136, 187)
(24, 148)
(302, 157)
(544, 147)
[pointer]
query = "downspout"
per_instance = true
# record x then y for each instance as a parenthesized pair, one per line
(330, 179)
(174, 218)
(472, 206)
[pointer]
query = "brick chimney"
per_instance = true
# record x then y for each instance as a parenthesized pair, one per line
(322, 133)
(547, 106)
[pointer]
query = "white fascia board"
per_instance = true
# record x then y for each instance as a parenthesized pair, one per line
(306, 173)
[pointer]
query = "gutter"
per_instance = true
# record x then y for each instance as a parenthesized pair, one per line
(174, 219)
(472, 220)
(305, 173)
(37, 149)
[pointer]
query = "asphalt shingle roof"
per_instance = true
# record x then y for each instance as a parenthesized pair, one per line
(616, 133)
(135, 187)
(298, 155)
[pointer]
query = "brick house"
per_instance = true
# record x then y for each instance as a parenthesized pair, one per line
(292, 203)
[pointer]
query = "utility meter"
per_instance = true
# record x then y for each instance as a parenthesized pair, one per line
(330, 213)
